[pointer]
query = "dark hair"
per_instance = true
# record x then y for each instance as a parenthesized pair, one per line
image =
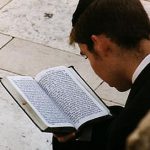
(82, 5)
(125, 22)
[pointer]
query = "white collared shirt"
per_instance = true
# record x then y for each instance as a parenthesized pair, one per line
(141, 66)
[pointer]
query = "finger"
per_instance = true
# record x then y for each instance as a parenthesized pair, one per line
(66, 138)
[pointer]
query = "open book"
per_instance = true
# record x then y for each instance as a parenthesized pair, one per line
(57, 99)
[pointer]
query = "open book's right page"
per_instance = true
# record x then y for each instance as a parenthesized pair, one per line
(74, 97)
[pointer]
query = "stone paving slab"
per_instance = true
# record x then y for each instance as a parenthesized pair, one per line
(4, 39)
(3, 92)
(41, 21)
(27, 58)
(110, 103)
(4, 2)
(111, 94)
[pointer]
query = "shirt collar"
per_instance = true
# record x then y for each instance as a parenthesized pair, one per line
(141, 66)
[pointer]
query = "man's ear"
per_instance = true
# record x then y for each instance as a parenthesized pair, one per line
(101, 44)
(96, 41)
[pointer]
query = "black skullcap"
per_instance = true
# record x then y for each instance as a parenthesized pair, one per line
(82, 5)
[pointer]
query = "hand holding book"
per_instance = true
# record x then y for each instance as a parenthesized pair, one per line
(65, 137)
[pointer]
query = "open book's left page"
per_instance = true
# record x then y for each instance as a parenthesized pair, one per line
(34, 100)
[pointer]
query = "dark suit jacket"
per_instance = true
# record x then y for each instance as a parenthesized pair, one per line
(137, 105)
(111, 134)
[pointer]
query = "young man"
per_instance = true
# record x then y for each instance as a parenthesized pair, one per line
(114, 36)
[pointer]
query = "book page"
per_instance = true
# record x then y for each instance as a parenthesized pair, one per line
(33, 94)
(86, 86)
(70, 95)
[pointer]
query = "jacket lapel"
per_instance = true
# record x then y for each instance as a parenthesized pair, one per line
(139, 82)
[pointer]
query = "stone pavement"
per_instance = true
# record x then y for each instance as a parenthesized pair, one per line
(33, 37)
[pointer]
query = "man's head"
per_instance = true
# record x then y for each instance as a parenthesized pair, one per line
(125, 22)
(109, 33)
